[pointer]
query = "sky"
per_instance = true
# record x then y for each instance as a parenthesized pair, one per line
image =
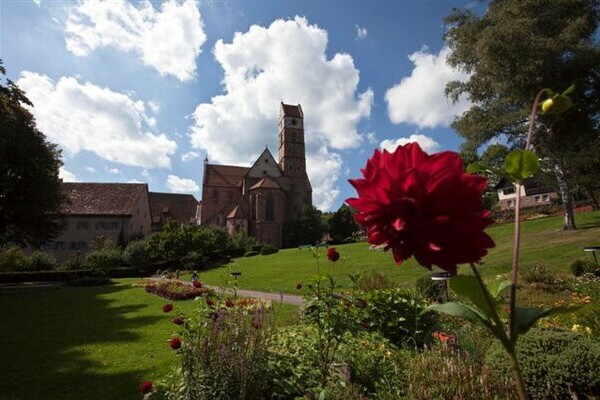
(143, 91)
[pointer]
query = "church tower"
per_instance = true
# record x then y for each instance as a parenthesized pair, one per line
(292, 160)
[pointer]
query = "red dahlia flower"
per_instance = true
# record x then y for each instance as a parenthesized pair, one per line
(178, 321)
(424, 206)
(229, 303)
(168, 308)
(146, 387)
(209, 302)
(298, 286)
(175, 343)
(197, 284)
(332, 254)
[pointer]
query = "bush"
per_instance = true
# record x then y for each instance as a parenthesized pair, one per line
(580, 267)
(40, 261)
(256, 247)
(13, 259)
(556, 364)
(375, 281)
(396, 314)
(251, 253)
(536, 272)
(103, 260)
(430, 289)
(135, 253)
(268, 249)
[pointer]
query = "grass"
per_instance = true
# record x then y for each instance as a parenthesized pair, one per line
(543, 240)
(86, 343)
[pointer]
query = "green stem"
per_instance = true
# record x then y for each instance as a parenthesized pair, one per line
(516, 372)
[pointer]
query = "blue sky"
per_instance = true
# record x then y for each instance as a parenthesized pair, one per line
(143, 91)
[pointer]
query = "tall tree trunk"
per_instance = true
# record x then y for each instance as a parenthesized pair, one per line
(589, 192)
(565, 195)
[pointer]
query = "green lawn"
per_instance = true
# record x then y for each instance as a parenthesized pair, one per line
(101, 342)
(543, 240)
(85, 343)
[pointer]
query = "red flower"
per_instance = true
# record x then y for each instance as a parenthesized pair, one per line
(209, 302)
(175, 343)
(146, 387)
(178, 321)
(256, 323)
(332, 254)
(229, 303)
(168, 308)
(298, 286)
(424, 206)
(197, 284)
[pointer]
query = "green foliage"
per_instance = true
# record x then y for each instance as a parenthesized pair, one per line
(396, 314)
(520, 165)
(135, 253)
(556, 364)
(41, 261)
(342, 224)
(580, 267)
(30, 193)
(376, 280)
(102, 242)
(240, 242)
(103, 260)
(251, 253)
(307, 228)
(13, 259)
(431, 290)
(268, 249)
(536, 272)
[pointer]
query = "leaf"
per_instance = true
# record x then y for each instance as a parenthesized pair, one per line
(468, 286)
(521, 164)
(569, 90)
(502, 287)
(525, 318)
(461, 310)
(475, 167)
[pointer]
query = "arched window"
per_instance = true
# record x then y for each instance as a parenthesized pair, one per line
(270, 208)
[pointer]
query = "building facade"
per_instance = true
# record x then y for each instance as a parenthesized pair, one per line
(532, 194)
(261, 198)
(183, 208)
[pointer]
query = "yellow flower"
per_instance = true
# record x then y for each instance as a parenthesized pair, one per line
(576, 328)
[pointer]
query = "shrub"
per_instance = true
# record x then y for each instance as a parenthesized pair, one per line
(251, 253)
(13, 259)
(396, 314)
(175, 290)
(580, 267)
(41, 261)
(103, 260)
(556, 364)
(268, 249)
(256, 247)
(536, 272)
(72, 264)
(135, 253)
(375, 281)
(430, 289)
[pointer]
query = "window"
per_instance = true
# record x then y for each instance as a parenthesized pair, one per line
(73, 245)
(546, 197)
(510, 204)
(509, 190)
(99, 226)
(82, 226)
(115, 225)
(538, 199)
(269, 208)
(215, 196)
(59, 245)
(81, 246)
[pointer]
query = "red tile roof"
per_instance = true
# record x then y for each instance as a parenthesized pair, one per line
(236, 213)
(266, 183)
(181, 207)
(101, 198)
(225, 175)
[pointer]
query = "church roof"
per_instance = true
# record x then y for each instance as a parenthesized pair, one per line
(266, 183)
(236, 213)
(181, 207)
(225, 175)
(101, 198)
(292, 111)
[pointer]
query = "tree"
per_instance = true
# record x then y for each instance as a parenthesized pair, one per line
(30, 191)
(517, 48)
(342, 224)
(307, 228)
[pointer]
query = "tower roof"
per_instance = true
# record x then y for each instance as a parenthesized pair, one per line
(292, 111)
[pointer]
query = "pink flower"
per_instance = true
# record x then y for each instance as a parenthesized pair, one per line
(178, 321)
(424, 206)
(197, 284)
(298, 286)
(168, 308)
(146, 387)
(332, 254)
(175, 343)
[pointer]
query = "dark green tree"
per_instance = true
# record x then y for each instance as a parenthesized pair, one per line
(307, 228)
(517, 48)
(342, 224)
(30, 193)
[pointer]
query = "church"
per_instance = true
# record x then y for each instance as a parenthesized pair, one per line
(261, 198)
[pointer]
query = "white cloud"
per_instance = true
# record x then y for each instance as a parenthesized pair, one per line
(113, 171)
(154, 106)
(87, 117)
(190, 155)
(371, 138)
(134, 181)
(66, 176)
(324, 169)
(181, 185)
(419, 98)
(91, 169)
(429, 145)
(285, 61)
(361, 33)
(168, 40)
(38, 2)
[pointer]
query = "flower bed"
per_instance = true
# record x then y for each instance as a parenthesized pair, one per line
(175, 290)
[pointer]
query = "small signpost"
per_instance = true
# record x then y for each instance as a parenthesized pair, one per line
(235, 283)
(442, 278)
